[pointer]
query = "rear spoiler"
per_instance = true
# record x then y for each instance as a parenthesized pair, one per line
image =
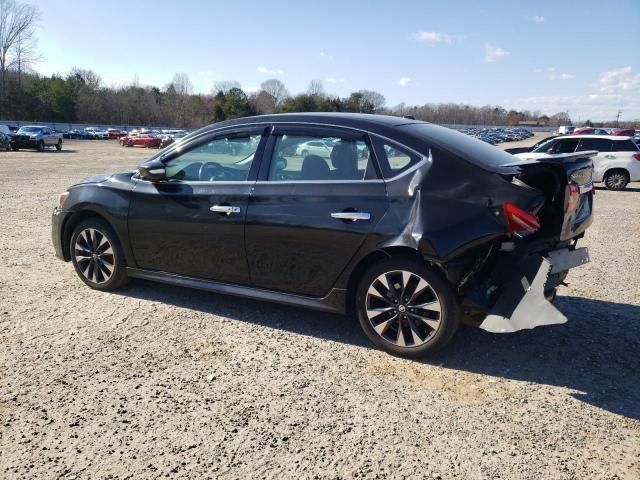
(559, 158)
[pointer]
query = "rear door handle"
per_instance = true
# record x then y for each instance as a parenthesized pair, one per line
(353, 216)
(227, 209)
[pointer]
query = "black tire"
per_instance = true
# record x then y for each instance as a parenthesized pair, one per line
(59, 145)
(40, 146)
(96, 277)
(14, 148)
(305, 154)
(616, 179)
(448, 318)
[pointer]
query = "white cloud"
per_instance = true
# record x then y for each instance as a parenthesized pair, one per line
(268, 71)
(621, 79)
(542, 70)
(595, 107)
(326, 56)
(538, 18)
(560, 76)
(334, 80)
(437, 37)
(404, 81)
(615, 90)
(493, 53)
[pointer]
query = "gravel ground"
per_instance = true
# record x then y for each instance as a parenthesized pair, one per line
(158, 381)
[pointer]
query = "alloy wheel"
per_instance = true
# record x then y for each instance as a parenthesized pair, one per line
(94, 255)
(616, 181)
(403, 308)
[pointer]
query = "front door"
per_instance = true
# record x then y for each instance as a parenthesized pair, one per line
(310, 212)
(193, 222)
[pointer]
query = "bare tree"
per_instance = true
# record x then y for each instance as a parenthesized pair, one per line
(224, 86)
(275, 89)
(182, 83)
(15, 20)
(25, 54)
(316, 88)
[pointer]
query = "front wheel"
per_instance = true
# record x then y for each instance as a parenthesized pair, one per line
(97, 256)
(59, 145)
(406, 308)
(616, 179)
(40, 146)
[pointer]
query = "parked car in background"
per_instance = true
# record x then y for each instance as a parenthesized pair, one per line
(170, 138)
(590, 131)
(97, 133)
(36, 137)
(515, 150)
(318, 147)
(566, 129)
(624, 132)
(445, 230)
(114, 133)
(144, 140)
(617, 162)
(5, 141)
(5, 129)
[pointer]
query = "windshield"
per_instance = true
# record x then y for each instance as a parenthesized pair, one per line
(29, 130)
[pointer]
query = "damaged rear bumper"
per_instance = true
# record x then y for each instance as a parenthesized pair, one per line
(523, 304)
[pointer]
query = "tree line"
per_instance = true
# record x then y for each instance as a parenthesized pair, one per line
(81, 96)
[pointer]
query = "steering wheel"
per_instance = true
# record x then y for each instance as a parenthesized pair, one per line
(209, 170)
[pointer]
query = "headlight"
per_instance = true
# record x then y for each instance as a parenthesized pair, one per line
(62, 198)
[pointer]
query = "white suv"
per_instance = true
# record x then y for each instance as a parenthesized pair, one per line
(617, 163)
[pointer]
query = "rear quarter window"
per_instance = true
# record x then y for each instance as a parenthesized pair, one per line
(624, 146)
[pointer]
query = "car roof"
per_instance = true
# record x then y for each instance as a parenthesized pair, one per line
(608, 137)
(362, 121)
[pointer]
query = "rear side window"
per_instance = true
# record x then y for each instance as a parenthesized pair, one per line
(395, 159)
(308, 158)
(599, 144)
(624, 146)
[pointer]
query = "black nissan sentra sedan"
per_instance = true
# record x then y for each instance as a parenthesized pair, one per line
(411, 227)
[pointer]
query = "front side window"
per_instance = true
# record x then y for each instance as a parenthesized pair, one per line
(308, 158)
(565, 146)
(221, 160)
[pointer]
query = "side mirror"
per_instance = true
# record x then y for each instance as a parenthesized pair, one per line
(153, 171)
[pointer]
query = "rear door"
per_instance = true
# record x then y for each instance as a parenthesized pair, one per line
(308, 216)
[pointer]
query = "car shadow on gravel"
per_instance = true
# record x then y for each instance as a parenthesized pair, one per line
(595, 353)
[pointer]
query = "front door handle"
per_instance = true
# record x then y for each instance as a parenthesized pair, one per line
(226, 209)
(610, 157)
(353, 216)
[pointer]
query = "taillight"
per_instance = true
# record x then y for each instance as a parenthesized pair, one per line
(519, 222)
(636, 156)
(574, 197)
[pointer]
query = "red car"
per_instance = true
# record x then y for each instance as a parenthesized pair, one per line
(115, 133)
(624, 132)
(143, 140)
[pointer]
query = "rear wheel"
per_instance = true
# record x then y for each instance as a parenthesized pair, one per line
(616, 179)
(59, 145)
(97, 256)
(406, 308)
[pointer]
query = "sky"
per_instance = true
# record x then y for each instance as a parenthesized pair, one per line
(577, 56)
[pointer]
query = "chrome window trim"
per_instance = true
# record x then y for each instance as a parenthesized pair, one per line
(423, 158)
